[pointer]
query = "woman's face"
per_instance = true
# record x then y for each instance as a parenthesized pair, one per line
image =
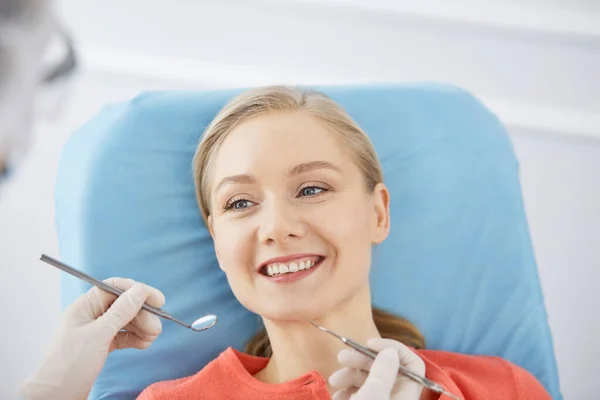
(291, 218)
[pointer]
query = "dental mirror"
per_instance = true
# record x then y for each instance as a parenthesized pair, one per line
(204, 323)
(199, 325)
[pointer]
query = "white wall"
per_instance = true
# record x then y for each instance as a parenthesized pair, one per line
(537, 67)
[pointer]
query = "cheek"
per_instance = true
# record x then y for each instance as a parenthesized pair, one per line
(349, 231)
(232, 247)
(235, 247)
(351, 221)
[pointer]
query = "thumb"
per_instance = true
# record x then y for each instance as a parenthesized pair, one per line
(408, 358)
(382, 376)
(124, 309)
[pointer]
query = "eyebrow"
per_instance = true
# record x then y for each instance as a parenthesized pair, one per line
(240, 179)
(296, 170)
(312, 165)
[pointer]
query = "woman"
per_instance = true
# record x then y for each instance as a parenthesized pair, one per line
(293, 195)
(292, 192)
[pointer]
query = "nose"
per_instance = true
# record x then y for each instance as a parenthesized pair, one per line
(280, 223)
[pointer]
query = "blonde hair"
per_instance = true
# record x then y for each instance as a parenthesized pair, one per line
(282, 98)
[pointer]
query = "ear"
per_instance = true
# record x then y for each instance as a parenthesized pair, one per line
(381, 213)
(209, 223)
(211, 230)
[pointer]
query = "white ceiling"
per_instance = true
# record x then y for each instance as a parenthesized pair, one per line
(535, 62)
(176, 27)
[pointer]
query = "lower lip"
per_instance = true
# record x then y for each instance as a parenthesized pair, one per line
(294, 276)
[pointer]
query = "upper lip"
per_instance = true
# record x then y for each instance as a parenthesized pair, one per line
(285, 259)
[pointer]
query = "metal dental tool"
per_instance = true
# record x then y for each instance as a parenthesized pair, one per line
(201, 324)
(427, 383)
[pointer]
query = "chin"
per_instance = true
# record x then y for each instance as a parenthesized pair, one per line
(283, 313)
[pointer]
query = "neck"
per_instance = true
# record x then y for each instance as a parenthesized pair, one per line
(299, 347)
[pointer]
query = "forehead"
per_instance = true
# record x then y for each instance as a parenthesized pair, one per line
(274, 141)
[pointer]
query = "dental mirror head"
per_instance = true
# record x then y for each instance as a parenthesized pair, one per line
(204, 323)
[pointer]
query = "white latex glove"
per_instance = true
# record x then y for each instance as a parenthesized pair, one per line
(90, 329)
(365, 379)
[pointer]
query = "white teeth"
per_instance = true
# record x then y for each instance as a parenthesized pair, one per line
(282, 268)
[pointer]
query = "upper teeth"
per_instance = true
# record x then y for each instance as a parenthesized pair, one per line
(293, 266)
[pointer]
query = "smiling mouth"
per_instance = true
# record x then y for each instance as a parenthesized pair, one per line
(288, 268)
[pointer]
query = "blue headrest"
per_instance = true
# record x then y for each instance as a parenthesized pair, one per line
(458, 261)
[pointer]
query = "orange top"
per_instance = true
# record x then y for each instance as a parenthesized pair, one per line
(230, 376)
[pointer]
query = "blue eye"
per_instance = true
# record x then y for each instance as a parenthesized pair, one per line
(238, 205)
(311, 191)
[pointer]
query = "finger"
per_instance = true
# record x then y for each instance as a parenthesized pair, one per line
(348, 377)
(353, 359)
(146, 325)
(128, 340)
(408, 358)
(404, 387)
(382, 376)
(95, 301)
(344, 394)
(102, 299)
(125, 308)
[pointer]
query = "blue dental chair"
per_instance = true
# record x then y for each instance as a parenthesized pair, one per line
(458, 262)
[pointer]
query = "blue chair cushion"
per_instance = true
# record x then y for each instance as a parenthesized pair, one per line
(458, 262)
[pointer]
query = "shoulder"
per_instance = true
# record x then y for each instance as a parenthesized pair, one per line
(482, 376)
(207, 381)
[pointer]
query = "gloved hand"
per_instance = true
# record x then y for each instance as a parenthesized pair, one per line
(90, 329)
(365, 379)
